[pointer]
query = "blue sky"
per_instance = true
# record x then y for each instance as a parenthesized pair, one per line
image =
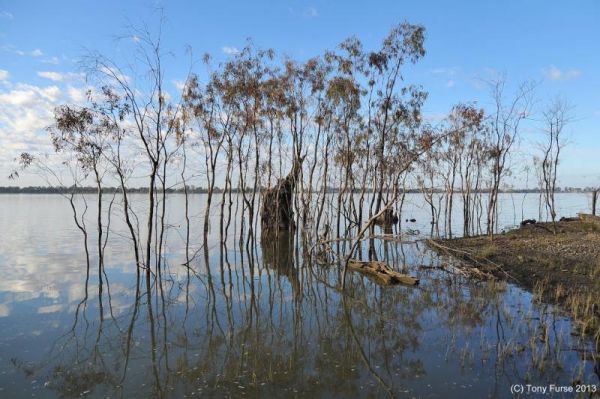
(555, 43)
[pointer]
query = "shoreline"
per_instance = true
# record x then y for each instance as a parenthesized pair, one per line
(561, 268)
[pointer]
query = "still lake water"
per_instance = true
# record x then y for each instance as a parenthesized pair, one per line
(254, 321)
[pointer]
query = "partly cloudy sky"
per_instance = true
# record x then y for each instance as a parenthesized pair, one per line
(554, 43)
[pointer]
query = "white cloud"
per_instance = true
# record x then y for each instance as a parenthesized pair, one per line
(230, 50)
(450, 83)
(67, 77)
(51, 60)
(25, 111)
(33, 53)
(179, 84)
(4, 74)
(311, 12)
(554, 73)
(76, 94)
(7, 15)
(29, 95)
(135, 38)
(54, 76)
(445, 71)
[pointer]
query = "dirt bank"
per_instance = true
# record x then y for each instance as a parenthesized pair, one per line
(561, 268)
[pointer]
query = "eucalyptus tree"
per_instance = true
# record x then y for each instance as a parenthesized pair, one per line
(316, 71)
(430, 174)
(241, 83)
(450, 158)
(113, 109)
(85, 135)
(255, 117)
(505, 127)
(202, 106)
(150, 124)
(374, 118)
(395, 110)
(556, 117)
(466, 156)
(343, 93)
(301, 96)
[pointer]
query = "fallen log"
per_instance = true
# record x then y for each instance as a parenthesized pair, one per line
(568, 219)
(381, 272)
(528, 221)
(469, 267)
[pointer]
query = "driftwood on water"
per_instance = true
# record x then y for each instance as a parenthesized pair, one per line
(277, 213)
(381, 272)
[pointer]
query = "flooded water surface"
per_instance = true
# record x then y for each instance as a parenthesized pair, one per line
(263, 317)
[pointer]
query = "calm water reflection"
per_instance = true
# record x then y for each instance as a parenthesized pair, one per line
(260, 318)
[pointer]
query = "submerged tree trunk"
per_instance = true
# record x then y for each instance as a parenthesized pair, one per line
(277, 212)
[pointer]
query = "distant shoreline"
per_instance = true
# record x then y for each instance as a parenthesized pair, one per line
(201, 190)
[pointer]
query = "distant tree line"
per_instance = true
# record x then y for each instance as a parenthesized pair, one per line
(89, 190)
(217, 189)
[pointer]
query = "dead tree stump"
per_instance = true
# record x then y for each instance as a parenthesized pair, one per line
(277, 213)
(387, 218)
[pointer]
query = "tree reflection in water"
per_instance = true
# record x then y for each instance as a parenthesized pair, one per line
(267, 319)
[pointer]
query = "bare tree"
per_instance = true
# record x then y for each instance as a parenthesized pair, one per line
(150, 120)
(505, 126)
(556, 117)
(467, 143)
(84, 133)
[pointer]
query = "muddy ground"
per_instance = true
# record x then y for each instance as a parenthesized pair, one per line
(561, 268)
